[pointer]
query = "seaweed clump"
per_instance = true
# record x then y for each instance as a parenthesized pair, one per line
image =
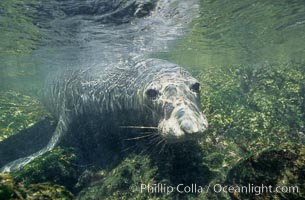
(59, 166)
(276, 173)
(251, 108)
(10, 189)
(123, 182)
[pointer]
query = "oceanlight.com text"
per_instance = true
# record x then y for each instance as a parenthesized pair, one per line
(216, 188)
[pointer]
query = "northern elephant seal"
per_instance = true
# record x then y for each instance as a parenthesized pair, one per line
(152, 93)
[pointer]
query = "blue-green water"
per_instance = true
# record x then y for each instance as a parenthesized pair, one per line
(225, 33)
(244, 32)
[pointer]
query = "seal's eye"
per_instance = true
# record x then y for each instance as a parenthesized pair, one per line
(195, 87)
(152, 93)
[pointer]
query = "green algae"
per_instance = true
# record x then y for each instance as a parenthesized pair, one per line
(252, 108)
(59, 166)
(18, 112)
(123, 182)
(282, 166)
(10, 189)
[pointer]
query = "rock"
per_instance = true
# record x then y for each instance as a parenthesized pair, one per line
(281, 169)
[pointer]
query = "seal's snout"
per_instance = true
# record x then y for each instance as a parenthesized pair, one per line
(183, 124)
(189, 127)
(194, 126)
(191, 122)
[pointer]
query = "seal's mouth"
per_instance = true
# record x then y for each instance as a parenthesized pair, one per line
(171, 139)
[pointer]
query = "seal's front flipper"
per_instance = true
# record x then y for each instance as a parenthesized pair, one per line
(16, 164)
(26, 142)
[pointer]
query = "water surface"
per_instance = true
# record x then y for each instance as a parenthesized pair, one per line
(244, 33)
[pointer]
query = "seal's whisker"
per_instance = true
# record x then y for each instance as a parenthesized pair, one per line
(141, 137)
(146, 135)
(163, 146)
(147, 132)
(143, 132)
(150, 144)
(140, 127)
(126, 149)
(154, 142)
(154, 139)
(160, 142)
(144, 150)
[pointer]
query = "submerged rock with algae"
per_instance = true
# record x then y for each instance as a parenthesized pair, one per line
(10, 189)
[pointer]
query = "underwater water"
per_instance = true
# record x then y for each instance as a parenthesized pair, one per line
(247, 55)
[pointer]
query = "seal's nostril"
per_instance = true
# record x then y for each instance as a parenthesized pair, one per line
(187, 126)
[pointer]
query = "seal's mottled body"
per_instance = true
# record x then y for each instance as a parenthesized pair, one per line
(153, 93)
